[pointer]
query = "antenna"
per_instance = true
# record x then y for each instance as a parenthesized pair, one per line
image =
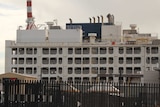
(30, 18)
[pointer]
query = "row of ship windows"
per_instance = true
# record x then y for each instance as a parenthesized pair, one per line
(86, 60)
(87, 50)
(94, 79)
(77, 70)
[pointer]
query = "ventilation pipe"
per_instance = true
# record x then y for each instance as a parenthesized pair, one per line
(110, 19)
(102, 18)
(98, 19)
(90, 20)
(94, 19)
(70, 20)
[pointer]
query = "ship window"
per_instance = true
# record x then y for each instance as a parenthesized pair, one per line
(14, 69)
(53, 60)
(103, 50)
(29, 51)
(129, 70)
(102, 70)
(45, 51)
(148, 60)
(121, 70)
(44, 70)
(21, 70)
(86, 70)
(129, 60)
(45, 61)
(86, 60)
(129, 50)
(77, 60)
(35, 60)
(21, 60)
(94, 70)
(110, 70)
(60, 60)
(154, 60)
(14, 51)
(110, 79)
(70, 79)
(14, 61)
(28, 60)
(70, 50)
(53, 51)
(35, 50)
(21, 51)
(137, 70)
(28, 70)
(121, 60)
(110, 50)
(95, 50)
(77, 79)
(77, 50)
(154, 50)
(94, 60)
(53, 70)
(70, 60)
(60, 51)
(77, 70)
(137, 50)
(60, 70)
(110, 61)
(70, 70)
(147, 50)
(85, 50)
(121, 50)
(35, 70)
(137, 60)
(103, 60)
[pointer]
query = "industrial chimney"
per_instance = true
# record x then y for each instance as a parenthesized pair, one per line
(30, 18)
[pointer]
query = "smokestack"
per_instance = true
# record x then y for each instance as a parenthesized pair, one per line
(30, 19)
(102, 18)
(70, 20)
(90, 20)
(94, 20)
(98, 19)
(29, 9)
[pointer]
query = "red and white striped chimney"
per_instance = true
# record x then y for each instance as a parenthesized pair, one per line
(29, 9)
(30, 18)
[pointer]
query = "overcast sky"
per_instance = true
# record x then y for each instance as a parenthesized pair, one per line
(144, 13)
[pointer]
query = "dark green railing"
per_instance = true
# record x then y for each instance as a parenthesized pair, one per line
(67, 94)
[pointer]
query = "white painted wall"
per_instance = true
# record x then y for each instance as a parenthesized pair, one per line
(31, 35)
(111, 33)
(69, 35)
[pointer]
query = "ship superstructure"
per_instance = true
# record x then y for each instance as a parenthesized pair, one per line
(94, 51)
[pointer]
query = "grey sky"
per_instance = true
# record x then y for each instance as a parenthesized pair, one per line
(144, 13)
